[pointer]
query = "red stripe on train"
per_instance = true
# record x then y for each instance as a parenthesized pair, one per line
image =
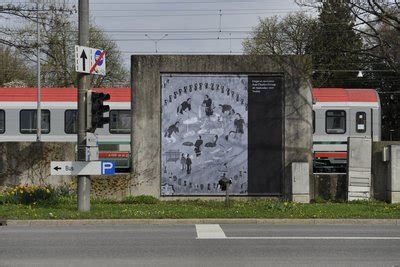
(344, 95)
(341, 155)
(113, 155)
(59, 94)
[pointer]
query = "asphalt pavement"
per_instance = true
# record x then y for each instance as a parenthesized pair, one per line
(200, 245)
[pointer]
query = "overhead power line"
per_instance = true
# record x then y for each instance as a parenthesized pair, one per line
(186, 15)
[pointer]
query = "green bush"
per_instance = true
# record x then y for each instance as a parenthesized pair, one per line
(143, 199)
(30, 194)
(64, 190)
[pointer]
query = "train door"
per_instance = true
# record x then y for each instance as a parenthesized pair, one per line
(360, 122)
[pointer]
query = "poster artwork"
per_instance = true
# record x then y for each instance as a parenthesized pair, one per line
(204, 134)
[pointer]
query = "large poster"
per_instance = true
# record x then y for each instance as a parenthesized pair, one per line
(204, 134)
(221, 126)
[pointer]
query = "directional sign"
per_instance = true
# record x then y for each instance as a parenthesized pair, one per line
(82, 59)
(90, 60)
(82, 168)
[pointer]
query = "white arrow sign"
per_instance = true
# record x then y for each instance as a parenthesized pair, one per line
(82, 59)
(82, 168)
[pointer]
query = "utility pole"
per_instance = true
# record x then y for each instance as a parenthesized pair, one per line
(156, 41)
(39, 108)
(84, 182)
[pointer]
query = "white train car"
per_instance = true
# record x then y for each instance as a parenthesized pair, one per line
(340, 113)
(337, 114)
(59, 119)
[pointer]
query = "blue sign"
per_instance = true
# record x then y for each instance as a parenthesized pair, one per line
(96, 56)
(108, 167)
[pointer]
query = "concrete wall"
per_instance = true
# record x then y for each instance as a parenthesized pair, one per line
(330, 186)
(146, 119)
(29, 163)
(380, 170)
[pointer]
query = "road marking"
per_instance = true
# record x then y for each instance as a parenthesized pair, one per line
(214, 231)
(209, 231)
(317, 237)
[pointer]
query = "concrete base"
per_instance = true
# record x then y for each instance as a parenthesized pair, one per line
(301, 198)
(394, 197)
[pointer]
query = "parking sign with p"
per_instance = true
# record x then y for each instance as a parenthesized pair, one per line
(108, 167)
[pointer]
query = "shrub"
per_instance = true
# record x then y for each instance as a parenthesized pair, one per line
(65, 190)
(143, 199)
(30, 194)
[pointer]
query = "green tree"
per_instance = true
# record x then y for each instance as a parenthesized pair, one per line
(335, 46)
(288, 36)
(13, 69)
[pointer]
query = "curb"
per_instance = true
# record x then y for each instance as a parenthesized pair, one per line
(204, 221)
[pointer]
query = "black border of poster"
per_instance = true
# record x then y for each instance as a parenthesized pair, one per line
(266, 140)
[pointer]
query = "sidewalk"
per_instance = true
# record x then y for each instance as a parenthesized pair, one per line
(204, 221)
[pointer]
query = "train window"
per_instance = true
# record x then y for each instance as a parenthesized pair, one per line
(313, 121)
(70, 119)
(361, 122)
(27, 121)
(335, 121)
(120, 121)
(2, 122)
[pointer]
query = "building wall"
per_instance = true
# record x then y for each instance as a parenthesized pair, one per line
(29, 163)
(146, 100)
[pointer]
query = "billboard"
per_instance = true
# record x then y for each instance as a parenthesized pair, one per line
(207, 133)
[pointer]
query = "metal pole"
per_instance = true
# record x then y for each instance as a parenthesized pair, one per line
(39, 108)
(156, 40)
(227, 195)
(84, 182)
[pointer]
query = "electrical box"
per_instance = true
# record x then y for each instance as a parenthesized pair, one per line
(394, 174)
(359, 160)
(300, 182)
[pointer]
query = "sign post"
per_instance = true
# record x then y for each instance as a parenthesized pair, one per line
(87, 61)
(84, 182)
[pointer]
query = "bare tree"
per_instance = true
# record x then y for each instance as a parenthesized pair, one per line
(59, 35)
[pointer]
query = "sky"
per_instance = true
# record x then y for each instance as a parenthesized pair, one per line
(183, 26)
(179, 26)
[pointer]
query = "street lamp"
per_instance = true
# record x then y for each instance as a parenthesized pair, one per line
(156, 40)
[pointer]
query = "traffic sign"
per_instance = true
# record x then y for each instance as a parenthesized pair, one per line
(82, 59)
(98, 62)
(92, 153)
(82, 168)
(90, 60)
(91, 139)
(107, 167)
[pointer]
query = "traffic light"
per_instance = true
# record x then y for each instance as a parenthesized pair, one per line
(96, 109)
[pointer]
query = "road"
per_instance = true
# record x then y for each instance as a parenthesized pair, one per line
(200, 245)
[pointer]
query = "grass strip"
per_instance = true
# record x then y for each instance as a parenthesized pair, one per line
(65, 208)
